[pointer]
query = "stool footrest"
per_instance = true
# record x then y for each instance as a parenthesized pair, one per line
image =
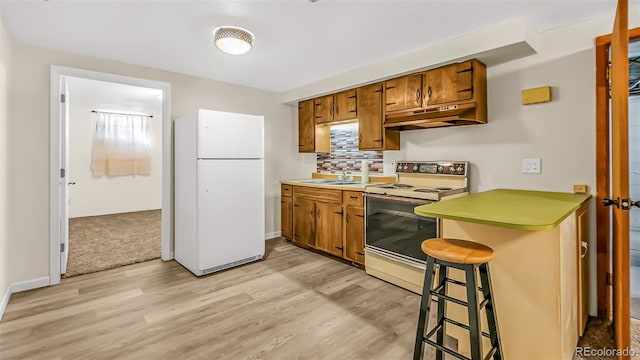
(435, 328)
(448, 298)
(447, 350)
(491, 353)
(456, 282)
(461, 325)
(484, 302)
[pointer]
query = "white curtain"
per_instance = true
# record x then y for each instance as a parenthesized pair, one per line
(121, 145)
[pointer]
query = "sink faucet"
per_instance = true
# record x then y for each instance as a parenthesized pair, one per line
(344, 175)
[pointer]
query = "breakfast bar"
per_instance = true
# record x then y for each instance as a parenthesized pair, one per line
(539, 272)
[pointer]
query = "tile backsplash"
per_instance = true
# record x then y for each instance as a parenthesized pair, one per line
(345, 155)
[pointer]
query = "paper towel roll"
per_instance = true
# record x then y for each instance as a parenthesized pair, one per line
(365, 171)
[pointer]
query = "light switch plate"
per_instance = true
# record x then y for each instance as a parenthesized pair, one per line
(531, 166)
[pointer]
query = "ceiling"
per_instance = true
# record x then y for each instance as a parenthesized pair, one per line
(297, 42)
(113, 97)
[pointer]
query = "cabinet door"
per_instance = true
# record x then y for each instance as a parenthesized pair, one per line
(306, 127)
(323, 109)
(354, 234)
(329, 228)
(286, 217)
(370, 117)
(403, 93)
(345, 106)
(448, 83)
(583, 266)
(304, 222)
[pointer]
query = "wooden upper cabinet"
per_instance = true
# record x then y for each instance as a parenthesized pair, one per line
(403, 93)
(345, 105)
(372, 136)
(323, 109)
(370, 117)
(306, 127)
(451, 83)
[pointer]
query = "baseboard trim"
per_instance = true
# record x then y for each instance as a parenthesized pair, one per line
(272, 235)
(29, 284)
(5, 301)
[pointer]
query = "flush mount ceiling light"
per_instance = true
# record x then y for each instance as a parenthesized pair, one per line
(233, 40)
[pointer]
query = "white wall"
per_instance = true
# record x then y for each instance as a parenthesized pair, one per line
(5, 86)
(91, 196)
(29, 186)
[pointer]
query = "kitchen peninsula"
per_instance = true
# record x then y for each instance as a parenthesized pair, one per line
(540, 270)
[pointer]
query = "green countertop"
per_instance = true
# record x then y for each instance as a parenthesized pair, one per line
(516, 209)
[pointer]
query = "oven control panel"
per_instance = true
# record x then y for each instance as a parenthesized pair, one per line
(459, 168)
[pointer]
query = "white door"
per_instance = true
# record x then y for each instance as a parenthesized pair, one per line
(223, 135)
(231, 224)
(64, 184)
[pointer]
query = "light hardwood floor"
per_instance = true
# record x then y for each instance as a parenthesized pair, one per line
(295, 304)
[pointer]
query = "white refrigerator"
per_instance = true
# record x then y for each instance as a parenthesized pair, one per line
(219, 190)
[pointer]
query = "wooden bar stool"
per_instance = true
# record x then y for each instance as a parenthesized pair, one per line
(468, 257)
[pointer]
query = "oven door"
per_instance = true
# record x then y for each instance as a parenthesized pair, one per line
(393, 229)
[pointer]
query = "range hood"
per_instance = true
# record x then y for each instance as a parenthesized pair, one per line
(451, 115)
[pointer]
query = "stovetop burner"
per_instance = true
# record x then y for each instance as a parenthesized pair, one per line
(396, 186)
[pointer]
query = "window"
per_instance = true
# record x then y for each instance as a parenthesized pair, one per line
(121, 145)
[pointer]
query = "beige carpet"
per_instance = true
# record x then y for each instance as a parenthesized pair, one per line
(103, 242)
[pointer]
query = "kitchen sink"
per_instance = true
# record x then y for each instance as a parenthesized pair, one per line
(318, 181)
(340, 182)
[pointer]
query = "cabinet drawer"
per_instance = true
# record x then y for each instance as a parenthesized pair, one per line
(317, 194)
(353, 198)
(286, 190)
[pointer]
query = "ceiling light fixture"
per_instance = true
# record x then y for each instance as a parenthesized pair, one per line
(233, 40)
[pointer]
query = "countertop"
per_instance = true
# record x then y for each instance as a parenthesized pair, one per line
(306, 182)
(356, 186)
(516, 209)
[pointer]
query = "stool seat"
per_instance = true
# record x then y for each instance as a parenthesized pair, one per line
(457, 251)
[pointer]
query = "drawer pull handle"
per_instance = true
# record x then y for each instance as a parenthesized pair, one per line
(362, 216)
(296, 205)
(338, 247)
(359, 253)
(338, 212)
(353, 197)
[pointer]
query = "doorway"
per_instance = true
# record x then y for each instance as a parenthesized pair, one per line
(61, 182)
(114, 171)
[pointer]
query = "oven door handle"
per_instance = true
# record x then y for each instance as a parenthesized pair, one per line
(398, 198)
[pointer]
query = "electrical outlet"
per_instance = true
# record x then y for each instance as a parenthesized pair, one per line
(531, 166)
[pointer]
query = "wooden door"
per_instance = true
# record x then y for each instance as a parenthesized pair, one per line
(448, 84)
(354, 234)
(345, 105)
(306, 127)
(329, 228)
(620, 175)
(304, 222)
(323, 109)
(403, 93)
(370, 117)
(286, 217)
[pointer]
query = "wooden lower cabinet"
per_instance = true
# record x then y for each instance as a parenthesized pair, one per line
(582, 220)
(286, 217)
(354, 234)
(325, 219)
(329, 228)
(304, 222)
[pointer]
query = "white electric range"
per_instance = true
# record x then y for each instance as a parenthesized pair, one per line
(393, 232)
